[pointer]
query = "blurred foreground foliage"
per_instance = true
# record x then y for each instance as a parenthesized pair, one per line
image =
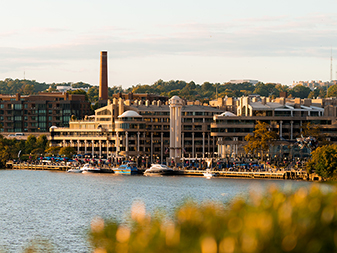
(301, 221)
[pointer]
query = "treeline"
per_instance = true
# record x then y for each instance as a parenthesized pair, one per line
(12, 148)
(30, 149)
(188, 90)
(208, 91)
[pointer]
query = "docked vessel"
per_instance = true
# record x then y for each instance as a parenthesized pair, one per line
(159, 169)
(88, 168)
(75, 170)
(208, 174)
(126, 169)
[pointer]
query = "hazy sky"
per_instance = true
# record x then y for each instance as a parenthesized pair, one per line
(213, 40)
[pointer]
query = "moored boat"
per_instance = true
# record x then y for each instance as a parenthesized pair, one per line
(75, 170)
(126, 169)
(208, 174)
(159, 169)
(88, 168)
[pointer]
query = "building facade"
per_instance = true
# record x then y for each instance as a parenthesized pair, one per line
(284, 116)
(37, 113)
(142, 129)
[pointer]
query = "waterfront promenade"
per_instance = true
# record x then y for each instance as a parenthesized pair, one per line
(242, 173)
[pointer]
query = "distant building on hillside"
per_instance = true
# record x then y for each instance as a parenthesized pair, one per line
(313, 84)
(244, 81)
(62, 88)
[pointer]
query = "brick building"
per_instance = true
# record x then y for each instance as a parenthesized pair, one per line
(37, 113)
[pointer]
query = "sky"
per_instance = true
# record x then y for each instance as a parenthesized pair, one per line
(202, 41)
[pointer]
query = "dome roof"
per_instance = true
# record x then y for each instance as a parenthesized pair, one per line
(53, 127)
(129, 114)
(227, 113)
(175, 98)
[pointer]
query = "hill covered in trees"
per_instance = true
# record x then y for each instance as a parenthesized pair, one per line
(188, 90)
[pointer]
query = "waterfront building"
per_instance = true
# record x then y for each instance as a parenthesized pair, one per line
(142, 129)
(285, 116)
(37, 113)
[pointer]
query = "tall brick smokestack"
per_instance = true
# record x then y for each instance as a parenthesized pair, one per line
(103, 77)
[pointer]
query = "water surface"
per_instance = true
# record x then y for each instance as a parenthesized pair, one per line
(59, 206)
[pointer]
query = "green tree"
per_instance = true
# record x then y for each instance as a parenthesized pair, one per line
(310, 130)
(300, 91)
(265, 90)
(317, 92)
(81, 85)
(93, 94)
(42, 142)
(9, 149)
(332, 91)
(67, 151)
(260, 140)
(53, 150)
(30, 144)
(324, 161)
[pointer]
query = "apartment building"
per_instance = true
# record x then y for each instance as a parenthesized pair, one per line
(37, 113)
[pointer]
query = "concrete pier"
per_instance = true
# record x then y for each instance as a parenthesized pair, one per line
(26, 166)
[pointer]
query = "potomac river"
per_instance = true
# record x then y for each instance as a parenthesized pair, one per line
(59, 206)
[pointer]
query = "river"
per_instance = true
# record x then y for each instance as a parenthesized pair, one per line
(59, 206)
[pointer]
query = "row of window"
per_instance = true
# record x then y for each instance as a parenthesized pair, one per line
(194, 113)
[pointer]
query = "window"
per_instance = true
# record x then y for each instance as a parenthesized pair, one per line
(17, 106)
(42, 118)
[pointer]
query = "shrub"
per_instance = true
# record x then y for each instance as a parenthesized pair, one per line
(303, 221)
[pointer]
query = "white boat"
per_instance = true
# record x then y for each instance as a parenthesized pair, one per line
(75, 170)
(88, 168)
(208, 174)
(159, 169)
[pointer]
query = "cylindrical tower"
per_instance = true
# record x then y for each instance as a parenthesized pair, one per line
(176, 104)
(103, 78)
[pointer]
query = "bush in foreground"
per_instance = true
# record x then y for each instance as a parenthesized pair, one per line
(303, 221)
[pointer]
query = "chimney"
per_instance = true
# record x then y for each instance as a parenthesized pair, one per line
(103, 78)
